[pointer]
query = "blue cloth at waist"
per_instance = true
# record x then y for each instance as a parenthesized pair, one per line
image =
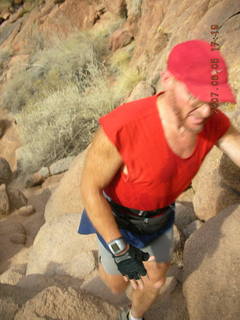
(136, 240)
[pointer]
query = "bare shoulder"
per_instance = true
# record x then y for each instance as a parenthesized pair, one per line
(102, 161)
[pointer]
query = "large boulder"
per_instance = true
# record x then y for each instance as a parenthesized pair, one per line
(117, 7)
(10, 233)
(211, 268)
(5, 171)
(59, 249)
(215, 185)
(66, 198)
(65, 304)
(142, 90)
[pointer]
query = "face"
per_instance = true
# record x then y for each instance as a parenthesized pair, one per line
(192, 113)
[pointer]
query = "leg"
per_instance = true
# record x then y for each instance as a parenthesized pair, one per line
(161, 249)
(114, 281)
(143, 299)
(108, 271)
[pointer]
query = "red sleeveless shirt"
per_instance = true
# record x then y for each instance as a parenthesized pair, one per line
(156, 175)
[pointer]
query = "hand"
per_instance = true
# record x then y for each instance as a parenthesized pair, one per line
(130, 264)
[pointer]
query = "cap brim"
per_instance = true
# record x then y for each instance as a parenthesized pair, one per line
(220, 93)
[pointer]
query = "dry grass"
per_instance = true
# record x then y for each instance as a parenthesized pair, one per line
(59, 96)
(73, 92)
(50, 69)
(62, 124)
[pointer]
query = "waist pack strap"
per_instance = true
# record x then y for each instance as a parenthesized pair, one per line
(136, 212)
(148, 222)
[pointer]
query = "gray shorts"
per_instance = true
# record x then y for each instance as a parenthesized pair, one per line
(161, 248)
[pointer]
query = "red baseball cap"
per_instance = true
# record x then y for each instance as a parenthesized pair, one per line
(203, 70)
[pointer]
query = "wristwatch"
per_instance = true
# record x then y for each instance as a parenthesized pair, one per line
(117, 246)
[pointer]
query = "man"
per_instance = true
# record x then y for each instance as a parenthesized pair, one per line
(144, 155)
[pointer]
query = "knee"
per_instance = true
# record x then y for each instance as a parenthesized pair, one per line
(115, 283)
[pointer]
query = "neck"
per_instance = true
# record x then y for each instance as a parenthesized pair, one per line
(169, 115)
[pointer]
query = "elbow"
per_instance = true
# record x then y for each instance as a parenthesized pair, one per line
(89, 192)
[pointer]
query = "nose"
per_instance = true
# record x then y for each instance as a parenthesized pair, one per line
(205, 110)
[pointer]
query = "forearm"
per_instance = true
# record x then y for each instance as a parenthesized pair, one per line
(100, 213)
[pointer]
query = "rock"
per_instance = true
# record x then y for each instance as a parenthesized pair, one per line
(5, 171)
(53, 181)
(66, 198)
(211, 268)
(18, 238)
(33, 180)
(72, 253)
(213, 193)
(65, 304)
(96, 287)
(163, 306)
(4, 201)
(13, 274)
(61, 165)
(8, 308)
(183, 215)
(44, 172)
(2, 122)
(26, 211)
(192, 227)
(117, 7)
(119, 39)
(186, 196)
(134, 8)
(16, 197)
(229, 173)
(142, 90)
(9, 250)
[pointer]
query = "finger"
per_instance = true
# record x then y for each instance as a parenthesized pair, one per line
(133, 284)
(158, 284)
(140, 284)
(151, 258)
(125, 278)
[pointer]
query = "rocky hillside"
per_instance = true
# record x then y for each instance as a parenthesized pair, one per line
(61, 53)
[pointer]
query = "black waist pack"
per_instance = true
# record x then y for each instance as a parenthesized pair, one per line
(143, 222)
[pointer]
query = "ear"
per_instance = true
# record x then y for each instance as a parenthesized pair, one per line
(167, 79)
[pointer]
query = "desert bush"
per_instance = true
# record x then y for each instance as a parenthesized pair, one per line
(61, 124)
(126, 76)
(4, 4)
(125, 83)
(50, 69)
(59, 96)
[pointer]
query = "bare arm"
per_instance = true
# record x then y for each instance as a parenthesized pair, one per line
(101, 165)
(230, 144)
